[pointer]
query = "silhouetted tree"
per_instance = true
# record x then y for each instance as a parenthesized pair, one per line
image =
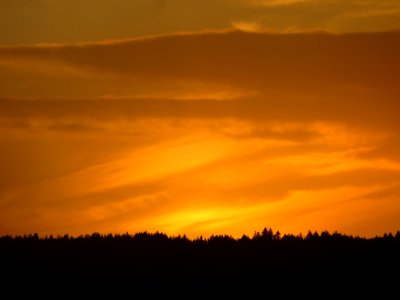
(267, 234)
(157, 260)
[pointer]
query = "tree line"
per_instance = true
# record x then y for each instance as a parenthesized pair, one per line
(154, 261)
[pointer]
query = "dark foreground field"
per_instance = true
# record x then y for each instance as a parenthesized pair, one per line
(142, 262)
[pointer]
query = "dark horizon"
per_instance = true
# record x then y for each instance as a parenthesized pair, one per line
(256, 234)
(156, 263)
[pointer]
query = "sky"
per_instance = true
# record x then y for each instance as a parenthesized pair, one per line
(199, 117)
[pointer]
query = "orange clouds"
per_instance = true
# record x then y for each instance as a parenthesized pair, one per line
(227, 57)
(70, 21)
(128, 135)
(321, 70)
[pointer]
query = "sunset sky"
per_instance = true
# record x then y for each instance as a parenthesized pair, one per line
(199, 117)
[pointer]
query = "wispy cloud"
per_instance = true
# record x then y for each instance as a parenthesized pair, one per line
(305, 130)
(69, 21)
(329, 67)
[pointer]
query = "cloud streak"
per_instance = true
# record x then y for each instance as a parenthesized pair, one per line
(314, 74)
(253, 59)
(69, 21)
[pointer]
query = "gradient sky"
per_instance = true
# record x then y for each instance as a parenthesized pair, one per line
(199, 117)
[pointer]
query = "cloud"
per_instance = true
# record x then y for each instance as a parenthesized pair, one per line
(303, 116)
(80, 114)
(309, 76)
(70, 21)
(255, 60)
(247, 26)
(388, 148)
(336, 15)
(272, 3)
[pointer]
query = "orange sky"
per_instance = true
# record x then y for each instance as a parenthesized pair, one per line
(199, 117)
